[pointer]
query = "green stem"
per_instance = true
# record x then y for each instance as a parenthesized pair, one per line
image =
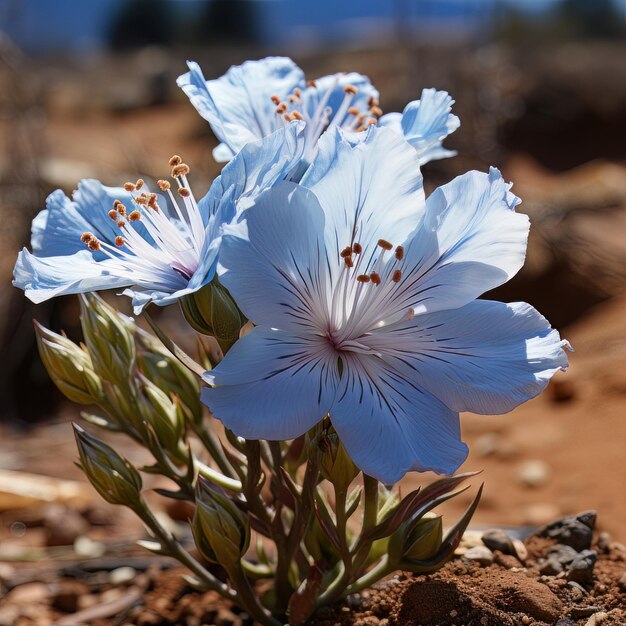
(370, 511)
(224, 481)
(249, 600)
(382, 569)
(213, 447)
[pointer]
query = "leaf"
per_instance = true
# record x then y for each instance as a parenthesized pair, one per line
(353, 501)
(325, 521)
(302, 601)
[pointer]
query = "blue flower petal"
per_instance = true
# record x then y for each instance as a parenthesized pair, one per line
(470, 240)
(390, 426)
(238, 105)
(486, 357)
(274, 263)
(275, 385)
(425, 123)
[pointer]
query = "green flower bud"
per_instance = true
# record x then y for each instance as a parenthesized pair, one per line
(417, 540)
(212, 311)
(109, 338)
(336, 466)
(113, 477)
(69, 367)
(220, 530)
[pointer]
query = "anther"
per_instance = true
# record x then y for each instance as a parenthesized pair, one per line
(348, 261)
(410, 314)
(297, 115)
(119, 241)
(399, 253)
(139, 183)
(113, 214)
(377, 111)
(121, 209)
(363, 278)
(182, 169)
(175, 160)
(297, 92)
(281, 108)
(396, 276)
(346, 252)
(93, 243)
(152, 201)
(357, 248)
(353, 111)
(351, 89)
(134, 216)
(141, 199)
(184, 192)
(275, 100)
(164, 185)
(385, 245)
(86, 237)
(311, 83)
(121, 223)
(117, 204)
(372, 102)
(375, 278)
(287, 117)
(372, 121)
(129, 187)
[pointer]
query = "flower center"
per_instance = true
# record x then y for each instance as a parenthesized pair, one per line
(163, 247)
(311, 105)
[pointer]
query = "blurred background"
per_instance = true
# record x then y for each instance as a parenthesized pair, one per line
(87, 89)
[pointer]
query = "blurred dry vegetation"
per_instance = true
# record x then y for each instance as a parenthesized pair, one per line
(549, 111)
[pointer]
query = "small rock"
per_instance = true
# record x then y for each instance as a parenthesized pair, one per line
(562, 553)
(597, 619)
(534, 473)
(578, 592)
(622, 582)
(573, 531)
(551, 567)
(7, 572)
(604, 542)
(122, 575)
(480, 554)
(63, 525)
(497, 539)
(581, 568)
(520, 550)
(66, 595)
(507, 560)
(88, 548)
(583, 611)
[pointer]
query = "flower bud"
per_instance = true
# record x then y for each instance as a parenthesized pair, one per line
(109, 338)
(212, 311)
(336, 466)
(113, 477)
(69, 367)
(220, 530)
(417, 540)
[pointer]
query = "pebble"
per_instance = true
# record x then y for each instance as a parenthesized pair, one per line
(122, 575)
(480, 554)
(596, 619)
(622, 582)
(551, 567)
(497, 539)
(581, 568)
(507, 560)
(63, 525)
(7, 572)
(88, 548)
(535, 473)
(583, 611)
(520, 550)
(66, 595)
(28, 593)
(574, 531)
(562, 553)
(578, 591)
(604, 542)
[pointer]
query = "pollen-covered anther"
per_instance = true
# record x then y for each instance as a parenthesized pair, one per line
(377, 111)
(287, 117)
(354, 111)
(129, 186)
(121, 223)
(119, 241)
(275, 100)
(175, 160)
(86, 237)
(113, 214)
(348, 261)
(346, 252)
(351, 89)
(93, 244)
(182, 169)
(372, 102)
(357, 248)
(281, 108)
(385, 245)
(372, 121)
(375, 278)
(410, 314)
(399, 253)
(363, 278)
(164, 185)
(184, 192)
(297, 92)
(296, 115)
(396, 276)
(141, 199)
(139, 183)
(134, 216)
(311, 83)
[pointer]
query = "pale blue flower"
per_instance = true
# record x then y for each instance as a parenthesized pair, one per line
(161, 246)
(255, 98)
(364, 298)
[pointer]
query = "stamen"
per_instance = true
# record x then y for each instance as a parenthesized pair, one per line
(287, 117)
(363, 278)
(164, 185)
(141, 199)
(139, 183)
(281, 108)
(357, 248)
(129, 187)
(121, 223)
(175, 160)
(385, 245)
(396, 276)
(346, 252)
(377, 111)
(351, 89)
(275, 100)
(348, 261)
(311, 83)
(86, 237)
(152, 201)
(297, 115)
(184, 192)
(410, 314)
(181, 169)
(119, 241)
(371, 121)
(93, 244)
(297, 92)
(375, 277)
(353, 111)
(113, 214)
(399, 253)
(372, 102)
(134, 216)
